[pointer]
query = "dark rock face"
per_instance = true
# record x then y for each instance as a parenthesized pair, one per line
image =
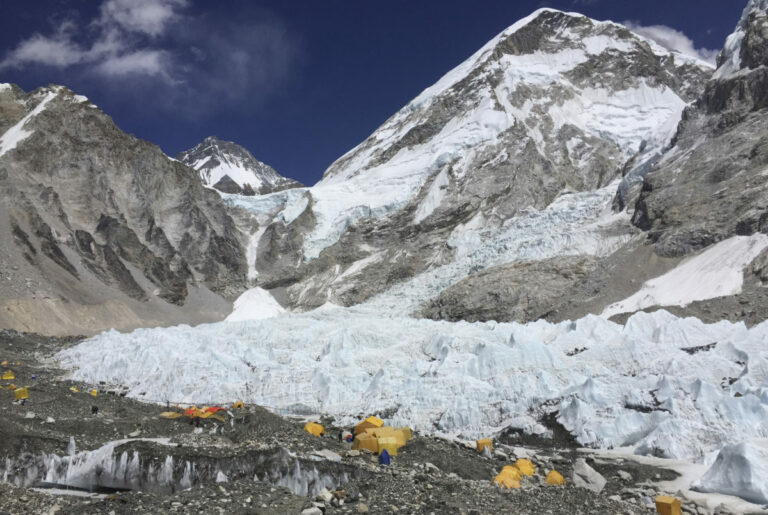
(754, 49)
(516, 292)
(227, 185)
(711, 184)
(109, 209)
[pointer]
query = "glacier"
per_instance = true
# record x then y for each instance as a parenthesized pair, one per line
(663, 385)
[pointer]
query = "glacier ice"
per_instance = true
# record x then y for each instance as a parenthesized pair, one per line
(573, 224)
(113, 466)
(741, 470)
(658, 384)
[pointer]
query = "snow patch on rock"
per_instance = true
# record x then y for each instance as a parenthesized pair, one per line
(18, 133)
(716, 272)
(255, 304)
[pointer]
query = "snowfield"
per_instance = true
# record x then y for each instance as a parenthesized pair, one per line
(716, 272)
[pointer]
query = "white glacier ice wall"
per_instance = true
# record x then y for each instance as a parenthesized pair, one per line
(659, 384)
(741, 470)
(113, 467)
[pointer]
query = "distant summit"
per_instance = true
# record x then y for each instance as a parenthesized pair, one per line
(230, 168)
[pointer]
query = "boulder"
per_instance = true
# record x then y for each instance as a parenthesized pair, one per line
(585, 476)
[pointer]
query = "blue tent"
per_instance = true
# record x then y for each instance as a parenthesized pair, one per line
(384, 458)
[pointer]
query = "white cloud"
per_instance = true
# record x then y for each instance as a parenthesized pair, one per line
(47, 51)
(111, 45)
(143, 16)
(672, 39)
(143, 62)
(204, 62)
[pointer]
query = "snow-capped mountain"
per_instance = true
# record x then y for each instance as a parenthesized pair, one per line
(567, 173)
(230, 168)
(556, 104)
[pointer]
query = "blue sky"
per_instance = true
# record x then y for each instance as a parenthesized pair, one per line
(297, 83)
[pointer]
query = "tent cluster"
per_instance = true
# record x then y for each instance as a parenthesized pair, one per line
(205, 412)
(371, 434)
(511, 475)
(193, 412)
(93, 392)
(19, 394)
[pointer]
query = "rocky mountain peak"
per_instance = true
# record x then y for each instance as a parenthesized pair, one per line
(103, 229)
(747, 46)
(230, 168)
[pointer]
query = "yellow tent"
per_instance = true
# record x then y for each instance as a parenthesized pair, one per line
(366, 441)
(238, 405)
(554, 478)
(94, 392)
(525, 466)
(4, 363)
(667, 505)
(8, 375)
(388, 432)
(370, 422)
(509, 477)
(169, 414)
(512, 470)
(407, 434)
(314, 429)
(483, 443)
(20, 393)
(389, 443)
(11, 386)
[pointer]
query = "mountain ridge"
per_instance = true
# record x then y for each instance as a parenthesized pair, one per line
(230, 168)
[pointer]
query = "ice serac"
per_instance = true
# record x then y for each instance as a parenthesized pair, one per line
(101, 229)
(741, 470)
(711, 184)
(230, 168)
(556, 103)
(665, 386)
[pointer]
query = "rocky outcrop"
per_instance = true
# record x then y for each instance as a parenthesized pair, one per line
(230, 168)
(711, 184)
(516, 292)
(96, 215)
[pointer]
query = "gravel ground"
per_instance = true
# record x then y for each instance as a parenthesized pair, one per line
(428, 475)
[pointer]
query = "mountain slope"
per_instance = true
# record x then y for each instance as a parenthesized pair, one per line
(230, 168)
(711, 185)
(558, 103)
(101, 229)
